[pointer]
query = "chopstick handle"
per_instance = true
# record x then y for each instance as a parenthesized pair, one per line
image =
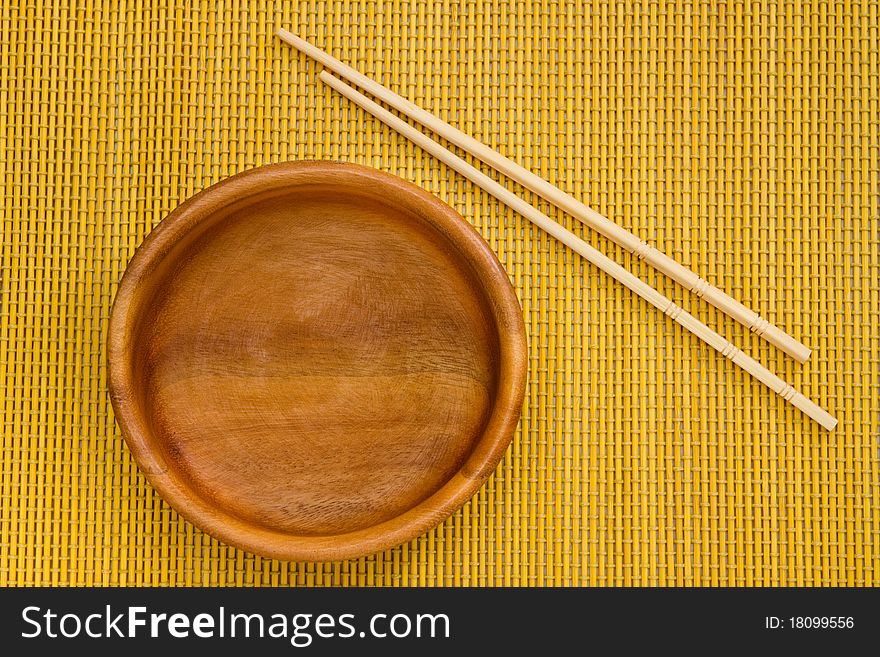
(656, 258)
(596, 257)
(721, 300)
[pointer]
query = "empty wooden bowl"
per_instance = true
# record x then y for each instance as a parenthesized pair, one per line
(316, 360)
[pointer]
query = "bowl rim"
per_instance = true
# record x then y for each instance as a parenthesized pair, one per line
(477, 468)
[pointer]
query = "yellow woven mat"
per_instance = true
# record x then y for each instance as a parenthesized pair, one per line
(741, 138)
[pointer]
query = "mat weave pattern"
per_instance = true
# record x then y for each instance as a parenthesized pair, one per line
(743, 138)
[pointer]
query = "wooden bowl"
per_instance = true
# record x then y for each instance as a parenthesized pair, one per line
(316, 360)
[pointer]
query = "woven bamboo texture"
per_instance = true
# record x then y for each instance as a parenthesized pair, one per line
(741, 138)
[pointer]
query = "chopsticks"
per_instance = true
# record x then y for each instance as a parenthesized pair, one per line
(678, 272)
(596, 257)
(603, 262)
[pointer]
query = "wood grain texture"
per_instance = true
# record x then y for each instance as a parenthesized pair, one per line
(316, 360)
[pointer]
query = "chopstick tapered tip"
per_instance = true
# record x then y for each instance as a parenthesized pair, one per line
(289, 38)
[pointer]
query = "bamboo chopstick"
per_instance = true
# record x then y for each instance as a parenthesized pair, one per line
(678, 272)
(599, 259)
